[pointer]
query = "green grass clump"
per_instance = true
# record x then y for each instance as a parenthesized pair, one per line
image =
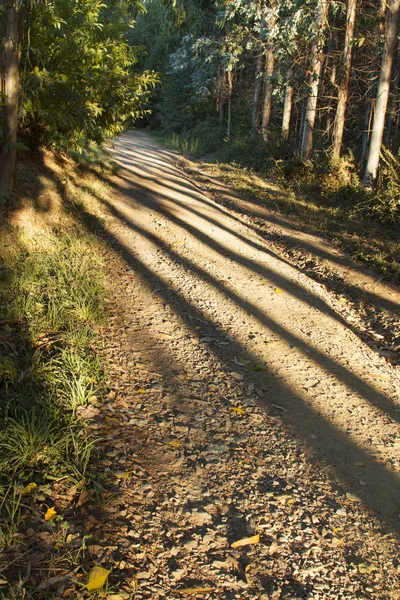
(51, 297)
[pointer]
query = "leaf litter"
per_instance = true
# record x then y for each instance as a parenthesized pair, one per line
(229, 503)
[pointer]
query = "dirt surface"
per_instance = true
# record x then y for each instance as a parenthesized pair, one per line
(242, 404)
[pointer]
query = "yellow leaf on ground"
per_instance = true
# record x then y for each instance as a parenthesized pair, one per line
(278, 291)
(366, 568)
(193, 591)
(29, 488)
(175, 444)
(246, 541)
(50, 514)
(141, 391)
(97, 578)
(122, 474)
(239, 410)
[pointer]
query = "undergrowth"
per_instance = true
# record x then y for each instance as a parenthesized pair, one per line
(326, 197)
(51, 300)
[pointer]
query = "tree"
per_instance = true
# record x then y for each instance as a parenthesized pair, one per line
(10, 89)
(371, 169)
(344, 82)
(314, 81)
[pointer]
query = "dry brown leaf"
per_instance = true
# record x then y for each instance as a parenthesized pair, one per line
(84, 498)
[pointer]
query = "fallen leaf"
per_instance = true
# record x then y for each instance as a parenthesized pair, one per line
(365, 568)
(122, 474)
(50, 514)
(240, 363)
(174, 443)
(246, 541)
(278, 291)
(238, 410)
(179, 462)
(193, 591)
(97, 578)
(84, 498)
(141, 391)
(353, 497)
(113, 420)
(29, 488)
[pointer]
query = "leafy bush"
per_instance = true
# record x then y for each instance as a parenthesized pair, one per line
(79, 79)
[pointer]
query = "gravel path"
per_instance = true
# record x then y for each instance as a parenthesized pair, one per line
(242, 405)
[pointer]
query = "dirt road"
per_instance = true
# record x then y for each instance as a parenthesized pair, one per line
(249, 406)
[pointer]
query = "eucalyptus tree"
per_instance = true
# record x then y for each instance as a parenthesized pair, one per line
(382, 96)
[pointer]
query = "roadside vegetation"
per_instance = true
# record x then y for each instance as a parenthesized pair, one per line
(52, 307)
(326, 199)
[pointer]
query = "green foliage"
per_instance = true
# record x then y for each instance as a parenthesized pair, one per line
(206, 137)
(78, 73)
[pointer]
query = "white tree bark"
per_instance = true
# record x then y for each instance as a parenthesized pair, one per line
(371, 169)
(317, 59)
(287, 106)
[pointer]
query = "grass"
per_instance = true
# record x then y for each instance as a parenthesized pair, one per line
(52, 289)
(51, 295)
(321, 206)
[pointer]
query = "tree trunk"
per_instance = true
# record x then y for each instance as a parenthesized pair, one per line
(372, 82)
(258, 85)
(393, 101)
(257, 94)
(287, 107)
(221, 96)
(269, 71)
(344, 82)
(229, 76)
(11, 88)
(311, 106)
(371, 169)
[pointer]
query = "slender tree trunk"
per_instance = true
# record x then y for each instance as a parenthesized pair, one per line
(11, 87)
(257, 94)
(372, 83)
(317, 60)
(371, 169)
(287, 106)
(344, 82)
(393, 101)
(229, 125)
(258, 85)
(269, 71)
(221, 96)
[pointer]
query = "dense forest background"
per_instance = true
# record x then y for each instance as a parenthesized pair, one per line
(310, 87)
